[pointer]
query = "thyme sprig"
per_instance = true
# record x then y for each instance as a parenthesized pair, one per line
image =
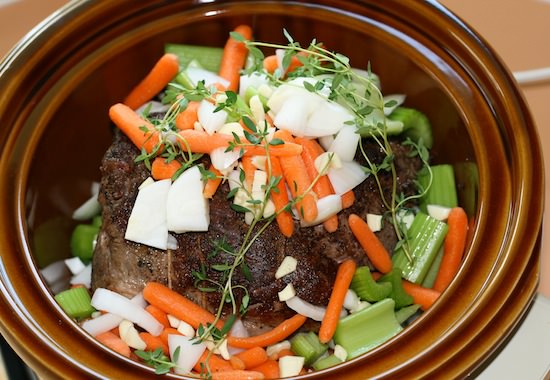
(156, 359)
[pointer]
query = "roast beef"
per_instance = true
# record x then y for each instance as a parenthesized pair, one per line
(125, 266)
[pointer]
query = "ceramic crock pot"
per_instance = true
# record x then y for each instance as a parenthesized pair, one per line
(57, 84)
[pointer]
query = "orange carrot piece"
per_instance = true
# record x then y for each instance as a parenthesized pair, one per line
(344, 275)
(202, 142)
(114, 343)
(166, 68)
(280, 200)
(270, 369)
(278, 333)
(453, 248)
(236, 362)
(271, 63)
(178, 305)
(168, 331)
(158, 314)
(154, 342)
(253, 357)
(234, 57)
(249, 170)
(297, 178)
(186, 119)
(348, 199)
(422, 296)
(215, 363)
(129, 122)
(160, 169)
(373, 247)
(212, 184)
(322, 187)
(237, 375)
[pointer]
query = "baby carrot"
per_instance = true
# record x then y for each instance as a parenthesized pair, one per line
(297, 179)
(422, 296)
(168, 331)
(142, 133)
(234, 57)
(236, 362)
(285, 352)
(186, 119)
(161, 169)
(249, 170)
(166, 68)
(201, 142)
(280, 199)
(114, 343)
(322, 186)
(271, 63)
(253, 357)
(278, 333)
(348, 199)
(178, 305)
(270, 369)
(215, 363)
(153, 342)
(453, 248)
(373, 247)
(158, 314)
(336, 301)
(212, 184)
(237, 375)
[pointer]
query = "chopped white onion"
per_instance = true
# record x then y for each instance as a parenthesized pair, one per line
(154, 107)
(306, 309)
(186, 329)
(222, 160)
(438, 212)
(290, 365)
(75, 265)
(346, 177)
(108, 321)
(327, 207)
(345, 143)
(172, 243)
(55, 272)
(254, 80)
(147, 222)
(278, 347)
(288, 265)
(90, 207)
(351, 301)
(375, 222)
(186, 208)
(112, 302)
(84, 277)
(287, 293)
(237, 330)
(211, 121)
(325, 161)
(232, 128)
(190, 352)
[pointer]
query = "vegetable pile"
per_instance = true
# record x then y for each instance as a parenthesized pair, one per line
(284, 131)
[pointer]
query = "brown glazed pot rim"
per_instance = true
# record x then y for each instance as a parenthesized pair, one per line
(472, 318)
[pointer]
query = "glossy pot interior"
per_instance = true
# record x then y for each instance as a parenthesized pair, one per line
(56, 88)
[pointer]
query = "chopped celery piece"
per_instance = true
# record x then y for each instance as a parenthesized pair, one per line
(183, 79)
(308, 346)
(429, 280)
(82, 241)
(416, 125)
(406, 312)
(424, 239)
(366, 288)
(398, 294)
(207, 57)
(250, 92)
(76, 302)
(368, 328)
(326, 362)
(442, 191)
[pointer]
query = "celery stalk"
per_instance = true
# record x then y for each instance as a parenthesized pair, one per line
(308, 346)
(442, 191)
(207, 57)
(76, 302)
(424, 238)
(429, 280)
(398, 294)
(406, 312)
(326, 362)
(368, 328)
(366, 288)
